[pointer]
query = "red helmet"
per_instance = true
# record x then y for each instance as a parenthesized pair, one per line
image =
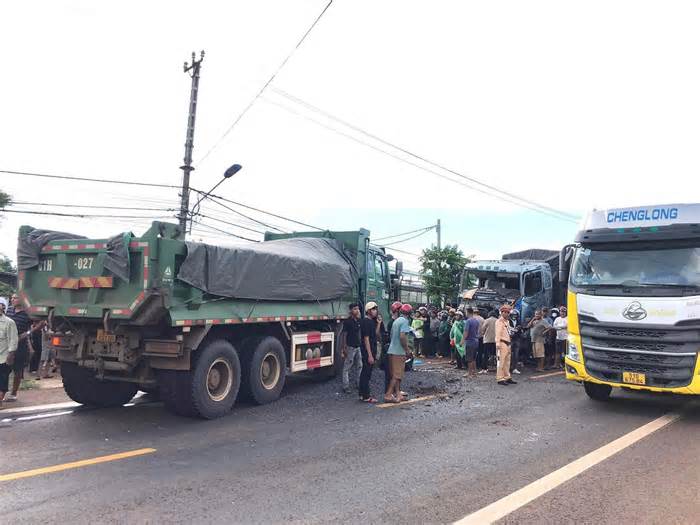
(396, 306)
(406, 308)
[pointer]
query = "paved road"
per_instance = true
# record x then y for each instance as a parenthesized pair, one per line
(317, 456)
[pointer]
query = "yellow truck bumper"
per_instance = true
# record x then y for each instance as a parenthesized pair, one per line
(575, 371)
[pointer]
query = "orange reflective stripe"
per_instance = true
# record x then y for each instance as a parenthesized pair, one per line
(96, 282)
(64, 282)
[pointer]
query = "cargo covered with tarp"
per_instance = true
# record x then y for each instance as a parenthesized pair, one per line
(297, 269)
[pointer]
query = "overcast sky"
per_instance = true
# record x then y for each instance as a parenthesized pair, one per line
(571, 104)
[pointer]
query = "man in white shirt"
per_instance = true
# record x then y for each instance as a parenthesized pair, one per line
(8, 347)
(561, 325)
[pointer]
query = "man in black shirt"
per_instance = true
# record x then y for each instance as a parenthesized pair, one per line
(369, 349)
(350, 343)
(21, 357)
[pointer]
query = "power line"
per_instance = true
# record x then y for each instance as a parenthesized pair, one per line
(225, 232)
(265, 212)
(264, 87)
(231, 224)
(427, 228)
(61, 205)
(414, 164)
(421, 158)
(239, 213)
(410, 238)
(86, 179)
(81, 215)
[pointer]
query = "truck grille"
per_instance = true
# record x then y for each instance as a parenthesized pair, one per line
(666, 355)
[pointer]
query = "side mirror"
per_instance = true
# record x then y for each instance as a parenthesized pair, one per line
(399, 268)
(565, 263)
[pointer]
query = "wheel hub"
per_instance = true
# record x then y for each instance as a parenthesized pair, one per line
(270, 371)
(219, 379)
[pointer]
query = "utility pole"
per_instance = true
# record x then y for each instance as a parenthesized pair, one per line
(439, 235)
(193, 70)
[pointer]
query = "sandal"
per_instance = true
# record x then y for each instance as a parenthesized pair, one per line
(369, 400)
(391, 399)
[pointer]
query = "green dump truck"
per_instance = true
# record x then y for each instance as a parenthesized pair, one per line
(198, 324)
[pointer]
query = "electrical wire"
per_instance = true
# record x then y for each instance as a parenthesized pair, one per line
(406, 161)
(265, 212)
(405, 240)
(499, 191)
(81, 215)
(61, 205)
(264, 87)
(214, 197)
(225, 232)
(85, 179)
(427, 228)
(230, 223)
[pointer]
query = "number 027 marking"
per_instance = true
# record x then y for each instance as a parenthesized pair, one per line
(84, 263)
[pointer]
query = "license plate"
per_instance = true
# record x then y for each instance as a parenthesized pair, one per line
(634, 378)
(105, 337)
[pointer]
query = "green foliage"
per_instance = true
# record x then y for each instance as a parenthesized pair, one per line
(6, 266)
(441, 270)
(5, 199)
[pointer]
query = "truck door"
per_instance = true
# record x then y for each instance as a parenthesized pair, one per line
(378, 282)
(532, 289)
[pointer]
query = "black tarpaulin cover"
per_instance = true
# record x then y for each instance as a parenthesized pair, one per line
(299, 269)
(31, 241)
(30, 244)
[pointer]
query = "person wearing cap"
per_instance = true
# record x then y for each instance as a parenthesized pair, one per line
(516, 331)
(369, 330)
(561, 325)
(350, 344)
(399, 351)
(417, 325)
(503, 343)
(395, 310)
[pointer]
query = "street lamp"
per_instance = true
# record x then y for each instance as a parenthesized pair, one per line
(230, 172)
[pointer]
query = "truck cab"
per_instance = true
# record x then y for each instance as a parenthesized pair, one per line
(634, 300)
(505, 281)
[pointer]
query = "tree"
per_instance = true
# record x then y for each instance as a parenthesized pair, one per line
(6, 267)
(5, 199)
(441, 270)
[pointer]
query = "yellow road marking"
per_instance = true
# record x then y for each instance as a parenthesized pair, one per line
(75, 464)
(504, 506)
(560, 372)
(414, 400)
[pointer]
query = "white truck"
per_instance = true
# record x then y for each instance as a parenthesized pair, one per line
(634, 300)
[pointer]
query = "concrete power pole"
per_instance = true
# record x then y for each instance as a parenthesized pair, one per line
(193, 70)
(439, 235)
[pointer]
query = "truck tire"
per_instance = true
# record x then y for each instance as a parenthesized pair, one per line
(83, 387)
(596, 391)
(264, 369)
(210, 388)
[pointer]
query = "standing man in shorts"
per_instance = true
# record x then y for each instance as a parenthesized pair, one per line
(399, 351)
(22, 355)
(8, 347)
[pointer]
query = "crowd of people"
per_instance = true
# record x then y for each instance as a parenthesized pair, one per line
(21, 349)
(500, 342)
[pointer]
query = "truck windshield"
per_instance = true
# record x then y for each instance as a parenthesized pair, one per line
(667, 267)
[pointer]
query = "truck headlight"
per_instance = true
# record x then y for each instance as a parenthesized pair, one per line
(572, 351)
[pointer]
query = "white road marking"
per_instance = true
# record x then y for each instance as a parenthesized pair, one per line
(504, 506)
(39, 408)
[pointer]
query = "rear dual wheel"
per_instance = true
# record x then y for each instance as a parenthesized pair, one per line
(83, 387)
(210, 388)
(264, 369)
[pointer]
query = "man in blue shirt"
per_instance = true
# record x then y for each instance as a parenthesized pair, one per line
(398, 352)
(471, 341)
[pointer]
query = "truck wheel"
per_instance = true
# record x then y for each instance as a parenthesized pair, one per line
(83, 387)
(264, 369)
(597, 391)
(210, 389)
